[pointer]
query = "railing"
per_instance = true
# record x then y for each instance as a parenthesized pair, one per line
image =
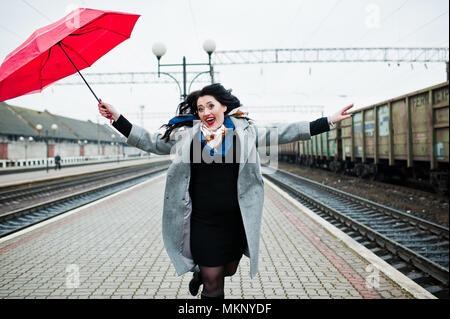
(42, 162)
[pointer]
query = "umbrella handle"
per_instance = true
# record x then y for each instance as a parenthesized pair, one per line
(109, 116)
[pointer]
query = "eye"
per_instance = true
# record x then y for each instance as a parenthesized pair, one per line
(200, 109)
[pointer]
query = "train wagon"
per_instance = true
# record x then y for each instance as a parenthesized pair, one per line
(407, 137)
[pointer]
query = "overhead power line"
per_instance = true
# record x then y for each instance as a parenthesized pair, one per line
(37, 11)
(130, 78)
(11, 32)
(325, 19)
(322, 55)
(423, 26)
(384, 19)
(319, 55)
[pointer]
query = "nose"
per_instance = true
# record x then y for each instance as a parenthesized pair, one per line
(206, 112)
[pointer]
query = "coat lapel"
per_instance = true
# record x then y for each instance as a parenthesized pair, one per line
(186, 140)
(240, 126)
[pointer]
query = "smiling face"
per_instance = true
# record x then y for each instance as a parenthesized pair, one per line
(211, 112)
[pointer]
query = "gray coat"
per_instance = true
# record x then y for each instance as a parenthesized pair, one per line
(177, 202)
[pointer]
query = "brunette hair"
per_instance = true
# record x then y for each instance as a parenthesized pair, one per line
(189, 105)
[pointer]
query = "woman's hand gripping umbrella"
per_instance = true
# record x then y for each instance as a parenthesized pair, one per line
(63, 48)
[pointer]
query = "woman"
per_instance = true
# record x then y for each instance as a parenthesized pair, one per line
(214, 189)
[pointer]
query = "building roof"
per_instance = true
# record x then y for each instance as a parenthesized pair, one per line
(21, 121)
(11, 124)
(87, 130)
(34, 118)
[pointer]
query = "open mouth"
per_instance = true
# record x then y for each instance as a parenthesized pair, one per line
(210, 121)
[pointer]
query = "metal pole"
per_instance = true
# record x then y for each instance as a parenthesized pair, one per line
(142, 115)
(211, 69)
(190, 84)
(46, 144)
(184, 78)
(158, 66)
(98, 139)
(446, 67)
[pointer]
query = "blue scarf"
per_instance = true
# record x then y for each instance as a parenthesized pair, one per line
(183, 118)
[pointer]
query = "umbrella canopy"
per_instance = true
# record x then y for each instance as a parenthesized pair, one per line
(62, 48)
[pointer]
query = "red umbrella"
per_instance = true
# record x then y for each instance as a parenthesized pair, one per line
(61, 49)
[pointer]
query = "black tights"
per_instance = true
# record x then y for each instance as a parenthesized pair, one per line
(214, 277)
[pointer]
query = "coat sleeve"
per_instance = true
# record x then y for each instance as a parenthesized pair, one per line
(149, 142)
(319, 126)
(281, 133)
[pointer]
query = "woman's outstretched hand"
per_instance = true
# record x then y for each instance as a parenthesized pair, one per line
(108, 111)
(340, 115)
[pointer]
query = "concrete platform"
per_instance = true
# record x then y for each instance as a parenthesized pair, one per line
(113, 248)
(52, 174)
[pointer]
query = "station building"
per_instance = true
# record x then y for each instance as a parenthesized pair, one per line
(28, 137)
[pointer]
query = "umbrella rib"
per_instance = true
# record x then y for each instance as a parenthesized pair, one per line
(101, 17)
(46, 60)
(94, 20)
(88, 31)
(70, 48)
(42, 67)
(118, 33)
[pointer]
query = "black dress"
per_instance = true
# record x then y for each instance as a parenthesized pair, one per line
(217, 230)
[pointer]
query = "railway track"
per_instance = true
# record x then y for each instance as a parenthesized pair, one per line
(430, 206)
(29, 205)
(414, 246)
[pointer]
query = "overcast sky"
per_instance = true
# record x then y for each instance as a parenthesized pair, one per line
(184, 25)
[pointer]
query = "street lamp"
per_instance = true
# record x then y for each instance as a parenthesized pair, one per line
(39, 128)
(23, 139)
(209, 46)
(159, 49)
(54, 128)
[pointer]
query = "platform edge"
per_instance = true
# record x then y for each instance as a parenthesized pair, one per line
(74, 211)
(396, 276)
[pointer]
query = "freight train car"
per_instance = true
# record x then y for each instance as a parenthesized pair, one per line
(405, 137)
